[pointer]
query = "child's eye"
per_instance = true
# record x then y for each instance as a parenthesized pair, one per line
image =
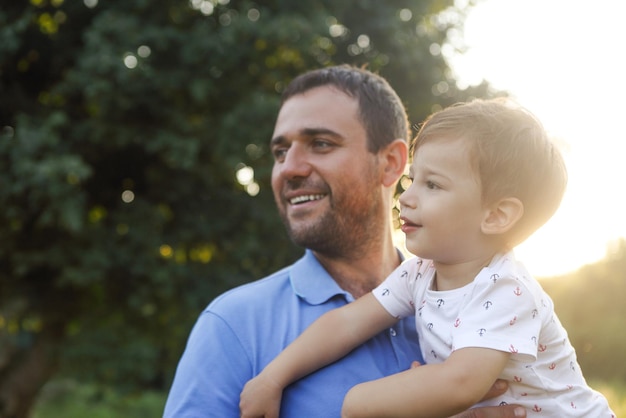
(431, 185)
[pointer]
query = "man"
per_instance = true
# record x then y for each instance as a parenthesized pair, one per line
(339, 146)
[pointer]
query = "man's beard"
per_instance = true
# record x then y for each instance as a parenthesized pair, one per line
(340, 232)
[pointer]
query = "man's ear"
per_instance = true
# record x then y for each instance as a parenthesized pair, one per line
(502, 216)
(393, 159)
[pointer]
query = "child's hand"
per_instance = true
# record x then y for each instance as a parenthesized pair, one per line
(260, 398)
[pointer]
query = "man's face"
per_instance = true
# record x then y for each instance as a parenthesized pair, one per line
(326, 184)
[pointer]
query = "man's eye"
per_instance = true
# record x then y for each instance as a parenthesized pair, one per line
(320, 143)
(279, 153)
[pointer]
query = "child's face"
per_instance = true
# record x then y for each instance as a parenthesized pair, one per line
(442, 210)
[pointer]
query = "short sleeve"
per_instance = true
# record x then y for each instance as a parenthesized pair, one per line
(397, 293)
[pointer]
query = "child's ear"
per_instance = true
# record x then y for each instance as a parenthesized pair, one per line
(393, 159)
(502, 216)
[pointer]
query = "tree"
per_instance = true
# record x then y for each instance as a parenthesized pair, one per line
(134, 167)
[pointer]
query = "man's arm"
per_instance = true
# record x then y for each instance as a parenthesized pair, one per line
(210, 374)
(328, 339)
(432, 390)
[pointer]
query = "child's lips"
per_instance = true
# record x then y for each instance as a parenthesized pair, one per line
(408, 225)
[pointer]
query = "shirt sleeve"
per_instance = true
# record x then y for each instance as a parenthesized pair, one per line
(501, 313)
(397, 292)
(211, 373)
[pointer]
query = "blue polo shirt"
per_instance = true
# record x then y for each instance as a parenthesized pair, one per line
(242, 330)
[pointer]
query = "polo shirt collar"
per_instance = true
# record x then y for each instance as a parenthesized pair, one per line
(310, 281)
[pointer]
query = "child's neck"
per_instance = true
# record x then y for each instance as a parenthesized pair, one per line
(454, 276)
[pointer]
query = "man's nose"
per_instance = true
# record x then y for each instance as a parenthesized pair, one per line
(296, 163)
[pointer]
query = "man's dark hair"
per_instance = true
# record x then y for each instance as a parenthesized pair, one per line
(380, 109)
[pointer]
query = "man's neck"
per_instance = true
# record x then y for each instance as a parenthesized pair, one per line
(361, 271)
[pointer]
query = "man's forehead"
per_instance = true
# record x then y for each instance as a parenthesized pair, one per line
(318, 108)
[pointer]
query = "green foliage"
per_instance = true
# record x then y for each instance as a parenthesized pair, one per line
(66, 398)
(123, 127)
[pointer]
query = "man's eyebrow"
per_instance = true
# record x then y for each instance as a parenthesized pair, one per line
(276, 141)
(308, 132)
(320, 131)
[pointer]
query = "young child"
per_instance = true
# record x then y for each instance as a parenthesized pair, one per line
(484, 176)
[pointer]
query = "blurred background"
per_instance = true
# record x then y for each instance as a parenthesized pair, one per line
(134, 168)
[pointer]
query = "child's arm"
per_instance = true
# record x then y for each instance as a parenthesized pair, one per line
(437, 390)
(329, 338)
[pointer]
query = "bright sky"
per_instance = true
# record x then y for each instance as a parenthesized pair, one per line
(565, 60)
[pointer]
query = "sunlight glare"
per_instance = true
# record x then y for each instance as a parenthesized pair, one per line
(564, 61)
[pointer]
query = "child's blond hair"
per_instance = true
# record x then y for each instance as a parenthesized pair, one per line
(511, 154)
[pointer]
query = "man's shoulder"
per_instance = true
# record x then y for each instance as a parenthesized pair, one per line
(259, 291)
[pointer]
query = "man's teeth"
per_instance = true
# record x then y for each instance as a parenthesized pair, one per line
(307, 198)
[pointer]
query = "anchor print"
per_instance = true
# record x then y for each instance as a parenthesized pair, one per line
(457, 322)
(495, 277)
(487, 305)
(537, 408)
(386, 292)
(517, 291)
(512, 349)
(513, 321)
(482, 331)
(440, 303)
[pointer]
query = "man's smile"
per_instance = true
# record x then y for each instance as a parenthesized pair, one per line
(305, 198)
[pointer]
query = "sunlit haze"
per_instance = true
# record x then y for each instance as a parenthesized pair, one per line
(566, 62)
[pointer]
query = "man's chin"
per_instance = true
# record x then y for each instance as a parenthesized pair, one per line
(313, 239)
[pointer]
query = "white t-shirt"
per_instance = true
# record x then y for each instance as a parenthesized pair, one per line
(505, 309)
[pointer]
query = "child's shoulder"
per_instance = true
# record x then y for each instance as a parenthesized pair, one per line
(506, 268)
(416, 265)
